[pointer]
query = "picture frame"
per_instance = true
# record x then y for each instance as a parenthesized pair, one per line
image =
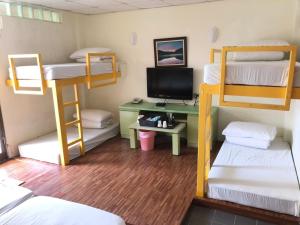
(170, 52)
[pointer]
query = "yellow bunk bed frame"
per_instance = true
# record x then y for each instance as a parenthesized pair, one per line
(206, 91)
(39, 87)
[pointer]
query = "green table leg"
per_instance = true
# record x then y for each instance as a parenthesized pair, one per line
(133, 138)
(175, 144)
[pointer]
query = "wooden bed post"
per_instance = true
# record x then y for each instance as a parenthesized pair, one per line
(60, 125)
(15, 82)
(79, 125)
(204, 140)
(91, 79)
(212, 53)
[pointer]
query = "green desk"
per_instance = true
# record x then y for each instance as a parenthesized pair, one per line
(187, 114)
(175, 132)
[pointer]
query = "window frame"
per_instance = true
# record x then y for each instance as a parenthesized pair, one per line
(30, 11)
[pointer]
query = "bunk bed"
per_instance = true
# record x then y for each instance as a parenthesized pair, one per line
(234, 177)
(34, 80)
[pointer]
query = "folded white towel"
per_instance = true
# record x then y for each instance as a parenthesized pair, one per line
(249, 142)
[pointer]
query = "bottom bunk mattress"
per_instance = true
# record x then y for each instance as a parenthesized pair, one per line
(50, 211)
(46, 148)
(259, 178)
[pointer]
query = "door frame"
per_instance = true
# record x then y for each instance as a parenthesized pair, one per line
(3, 154)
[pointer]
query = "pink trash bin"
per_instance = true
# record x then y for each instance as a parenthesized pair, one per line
(147, 139)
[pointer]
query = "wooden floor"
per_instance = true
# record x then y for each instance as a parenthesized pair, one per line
(144, 188)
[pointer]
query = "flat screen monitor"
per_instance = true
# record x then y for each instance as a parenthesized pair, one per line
(170, 83)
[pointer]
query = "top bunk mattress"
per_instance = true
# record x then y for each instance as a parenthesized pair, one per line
(261, 73)
(61, 71)
(254, 177)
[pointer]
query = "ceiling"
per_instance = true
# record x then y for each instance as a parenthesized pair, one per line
(108, 6)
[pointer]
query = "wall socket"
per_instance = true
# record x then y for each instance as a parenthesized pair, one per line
(196, 95)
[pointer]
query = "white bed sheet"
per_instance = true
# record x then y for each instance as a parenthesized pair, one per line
(52, 211)
(264, 73)
(259, 178)
(46, 148)
(11, 196)
(61, 71)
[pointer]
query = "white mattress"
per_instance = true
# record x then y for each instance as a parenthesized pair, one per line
(46, 148)
(265, 73)
(11, 196)
(263, 179)
(61, 71)
(52, 211)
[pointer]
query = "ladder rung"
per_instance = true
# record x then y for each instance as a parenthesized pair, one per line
(66, 104)
(72, 123)
(74, 142)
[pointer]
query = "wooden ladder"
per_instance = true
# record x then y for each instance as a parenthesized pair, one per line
(62, 125)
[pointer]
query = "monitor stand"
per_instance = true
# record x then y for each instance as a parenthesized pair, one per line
(160, 104)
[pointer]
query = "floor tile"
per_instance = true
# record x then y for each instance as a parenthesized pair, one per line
(186, 220)
(198, 216)
(216, 223)
(264, 223)
(199, 222)
(223, 217)
(241, 220)
(202, 214)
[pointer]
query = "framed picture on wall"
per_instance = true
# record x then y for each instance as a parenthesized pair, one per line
(170, 52)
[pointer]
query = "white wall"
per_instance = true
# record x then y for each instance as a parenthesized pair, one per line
(237, 20)
(26, 116)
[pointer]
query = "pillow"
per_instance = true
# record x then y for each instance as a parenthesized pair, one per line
(96, 59)
(81, 53)
(94, 115)
(249, 142)
(256, 56)
(96, 125)
(93, 59)
(258, 131)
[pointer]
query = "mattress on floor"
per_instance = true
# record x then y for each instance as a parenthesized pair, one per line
(11, 196)
(263, 179)
(50, 211)
(61, 71)
(46, 148)
(264, 73)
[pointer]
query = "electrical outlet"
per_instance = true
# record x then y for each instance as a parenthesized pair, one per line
(196, 95)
